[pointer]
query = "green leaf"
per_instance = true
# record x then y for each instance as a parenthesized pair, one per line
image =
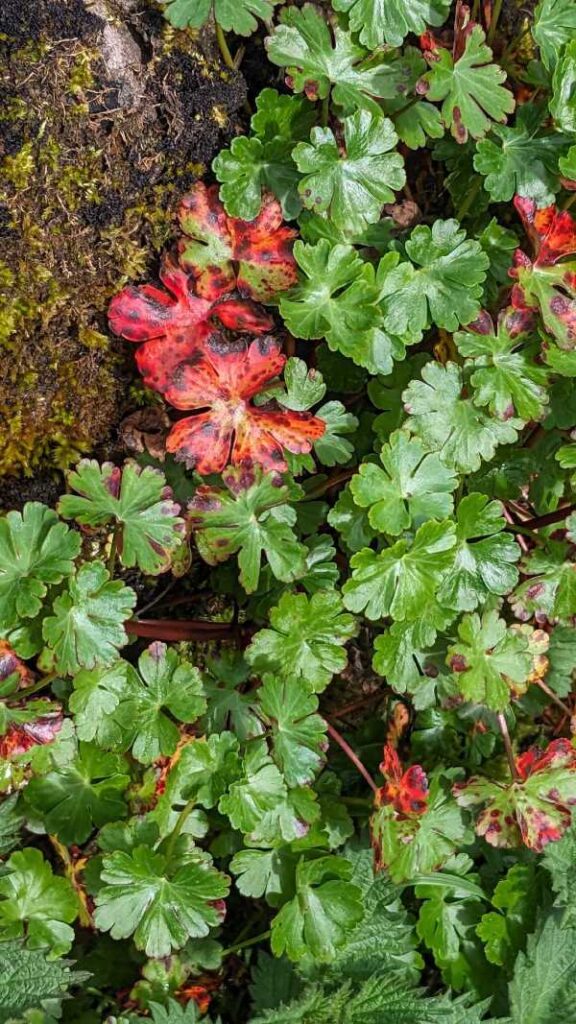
(551, 586)
(554, 25)
(350, 521)
(506, 379)
(470, 88)
(266, 873)
(11, 821)
(325, 906)
(504, 933)
(298, 734)
(351, 185)
(519, 160)
(410, 845)
(77, 798)
(175, 1013)
(563, 102)
(562, 660)
(318, 63)
(413, 486)
(304, 387)
(333, 449)
(264, 160)
(87, 626)
(252, 517)
(306, 639)
(37, 904)
(139, 503)
(447, 421)
(499, 244)
(403, 579)
(233, 17)
(223, 685)
(390, 21)
(489, 659)
(30, 981)
(445, 921)
(122, 708)
(558, 859)
(442, 284)
(338, 298)
(400, 656)
(160, 904)
(543, 988)
(202, 771)
(36, 550)
(484, 556)
(258, 791)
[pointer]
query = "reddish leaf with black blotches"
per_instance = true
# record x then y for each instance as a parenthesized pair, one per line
(547, 282)
(218, 383)
(173, 323)
(224, 252)
(21, 736)
(12, 665)
(406, 792)
(534, 809)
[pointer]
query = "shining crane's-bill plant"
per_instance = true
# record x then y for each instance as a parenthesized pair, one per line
(286, 698)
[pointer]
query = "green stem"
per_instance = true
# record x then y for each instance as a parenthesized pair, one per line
(247, 942)
(514, 44)
(29, 690)
(469, 199)
(526, 532)
(507, 746)
(496, 11)
(180, 822)
(223, 47)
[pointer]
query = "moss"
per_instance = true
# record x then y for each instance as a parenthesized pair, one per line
(87, 194)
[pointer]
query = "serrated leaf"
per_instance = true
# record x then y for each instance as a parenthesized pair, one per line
(31, 981)
(306, 639)
(317, 63)
(470, 87)
(259, 790)
(447, 421)
(543, 982)
(506, 377)
(37, 904)
(535, 808)
(404, 578)
(563, 102)
(316, 919)
(126, 709)
(36, 550)
(503, 933)
(489, 659)
(250, 517)
(442, 284)
(551, 585)
(351, 186)
(233, 17)
(137, 500)
(554, 25)
(297, 733)
(390, 21)
(74, 799)
(520, 160)
(160, 905)
(484, 556)
(400, 655)
(87, 625)
(413, 486)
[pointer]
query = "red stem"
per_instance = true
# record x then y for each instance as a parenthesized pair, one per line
(186, 629)
(549, 518)
(352, 756)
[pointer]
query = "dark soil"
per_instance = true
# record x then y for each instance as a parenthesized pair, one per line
(92, 161)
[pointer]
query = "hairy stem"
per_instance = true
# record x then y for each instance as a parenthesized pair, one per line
(352, 756)
(246, 943)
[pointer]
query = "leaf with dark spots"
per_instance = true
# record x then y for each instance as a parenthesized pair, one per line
(547, 282)
(172, 326)
(225, 252)
(13, 668)
(406, 792)
(534, 809)
(226, 428)
(21, 736)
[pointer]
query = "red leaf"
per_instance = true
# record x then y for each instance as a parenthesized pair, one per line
(552, 231)
(406, 792)
(218, 383)
(225, 252)
(19, 738)
(10, 663)
(174, 325)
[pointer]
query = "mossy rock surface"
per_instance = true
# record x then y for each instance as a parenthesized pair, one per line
(106, 117)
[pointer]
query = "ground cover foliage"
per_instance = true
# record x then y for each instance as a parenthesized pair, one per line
(286, 697)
